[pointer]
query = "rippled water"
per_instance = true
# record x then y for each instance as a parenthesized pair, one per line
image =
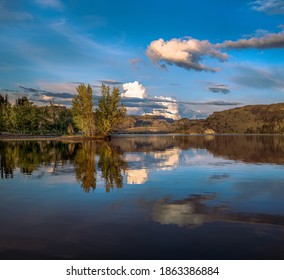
(143, 197)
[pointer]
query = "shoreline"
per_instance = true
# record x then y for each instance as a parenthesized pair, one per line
(19, 137)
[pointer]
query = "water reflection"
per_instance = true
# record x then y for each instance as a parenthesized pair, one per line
(112, 166)
(29, 156)
(194, 211)
(85, 165)
(214, 197)
(136, 157)
(246, 148)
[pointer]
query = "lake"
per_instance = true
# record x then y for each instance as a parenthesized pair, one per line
(143, 197)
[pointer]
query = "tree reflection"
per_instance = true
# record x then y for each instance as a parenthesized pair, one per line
(110, 163)
(7, 160)
(28, 156)
(112, 166)
(85, 165)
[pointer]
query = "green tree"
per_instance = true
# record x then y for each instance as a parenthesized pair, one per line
(7, 116)
(109, 113)
(82, 110)
(26, 116)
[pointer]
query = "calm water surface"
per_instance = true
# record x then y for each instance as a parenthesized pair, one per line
(146, 197)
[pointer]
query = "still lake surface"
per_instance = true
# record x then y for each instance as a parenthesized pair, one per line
(143, 197)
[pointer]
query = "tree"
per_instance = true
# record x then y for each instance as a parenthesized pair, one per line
(26, 115)
(6, 114)
(109, 113)
(82, 110)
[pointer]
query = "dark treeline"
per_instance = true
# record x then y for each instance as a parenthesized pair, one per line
(86, 160)
(27, 118)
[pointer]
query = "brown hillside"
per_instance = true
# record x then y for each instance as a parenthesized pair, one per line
(259, 119)
(262, 119)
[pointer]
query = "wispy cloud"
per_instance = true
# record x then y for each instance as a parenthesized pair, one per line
(84, 43)
(219, 88)
(260, 78)
(135, 61)
(54, 4)
(128, 102)
(110, 82)
(11, 15)
(268, 41)
(160, 100)
(269, 7)
(40, 92)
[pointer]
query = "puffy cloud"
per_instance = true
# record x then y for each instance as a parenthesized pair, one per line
(268, 41)
(188, 53)
(268, 6)
(219, 88)
(185, 53)
(135, 96)
(134, 89)
(170, 108)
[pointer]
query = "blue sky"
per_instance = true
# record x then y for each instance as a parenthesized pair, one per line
(195, 51)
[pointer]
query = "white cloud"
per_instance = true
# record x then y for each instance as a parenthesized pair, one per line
(185, 53)
(188, 53)
(134, 89)
(171, 109)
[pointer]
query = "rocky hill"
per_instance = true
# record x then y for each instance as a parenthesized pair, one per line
(262, 119)
(259, 119)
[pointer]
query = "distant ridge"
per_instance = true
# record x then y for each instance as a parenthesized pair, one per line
(258, 119)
